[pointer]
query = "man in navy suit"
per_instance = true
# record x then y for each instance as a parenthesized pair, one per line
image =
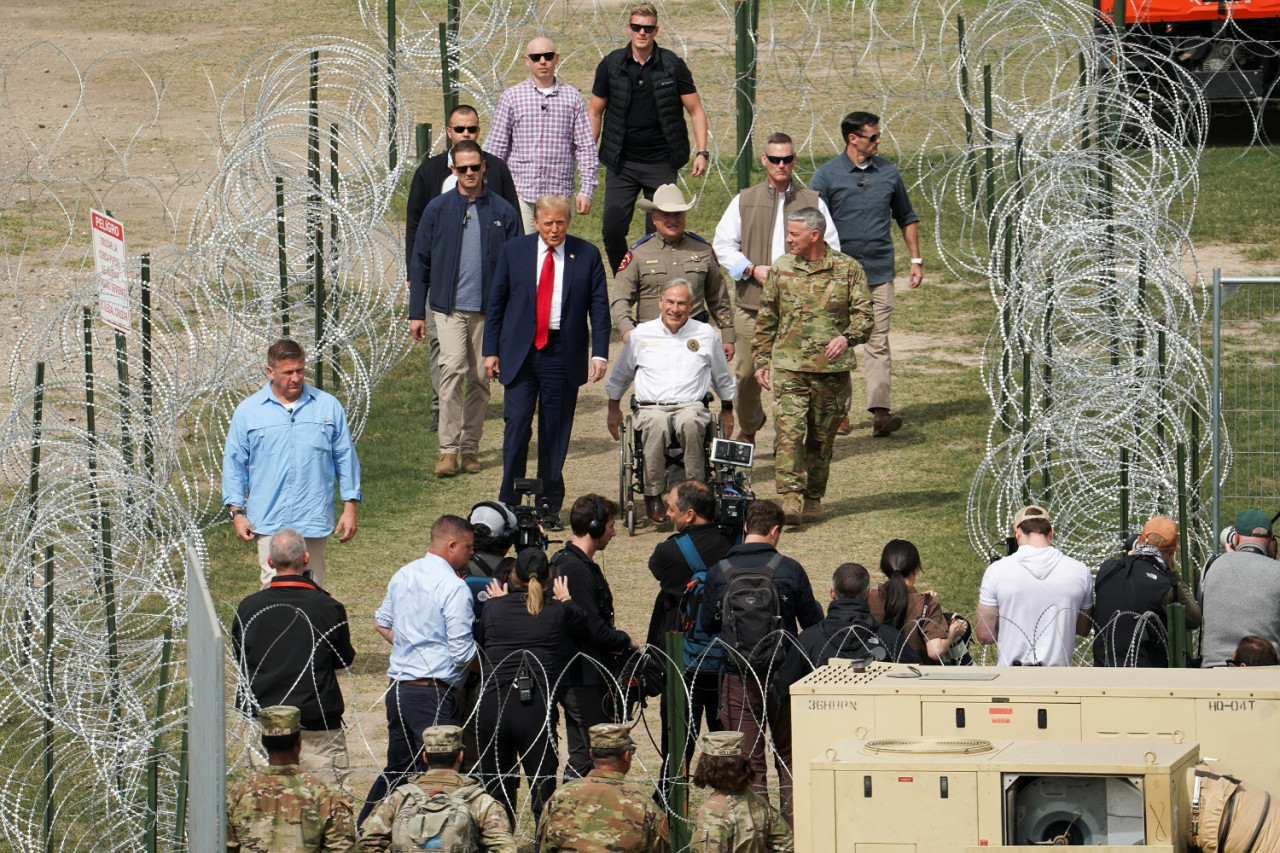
(548, 291)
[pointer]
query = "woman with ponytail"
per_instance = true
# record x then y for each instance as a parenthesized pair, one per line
(917, 616)
(520, 633)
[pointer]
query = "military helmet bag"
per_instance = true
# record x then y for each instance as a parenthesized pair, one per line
(441, 820)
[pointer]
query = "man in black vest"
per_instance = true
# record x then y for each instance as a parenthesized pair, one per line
(637, 107)
(1130, 595)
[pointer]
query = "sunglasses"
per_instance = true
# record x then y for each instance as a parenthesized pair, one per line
(778, 161)
(548, 56)
(466, 128)
(643, 28)
(875, 137)
(469, 167)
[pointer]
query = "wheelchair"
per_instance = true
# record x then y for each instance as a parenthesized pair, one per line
(631, 463)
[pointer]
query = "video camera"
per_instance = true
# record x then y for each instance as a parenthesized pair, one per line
(731, 486)
(529, 533)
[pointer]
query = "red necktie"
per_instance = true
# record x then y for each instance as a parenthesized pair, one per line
(546, 284)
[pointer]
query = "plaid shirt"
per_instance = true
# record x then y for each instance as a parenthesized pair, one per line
(540, 136)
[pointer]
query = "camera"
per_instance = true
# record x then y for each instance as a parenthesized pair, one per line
(529, 533)
(731, 486)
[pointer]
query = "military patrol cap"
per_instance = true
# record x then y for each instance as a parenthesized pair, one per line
(721, 743)
(280, 720)
(1253, 522)
(611, 736)
(442, 740)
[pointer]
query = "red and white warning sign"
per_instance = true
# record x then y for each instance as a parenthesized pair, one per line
(109, 263)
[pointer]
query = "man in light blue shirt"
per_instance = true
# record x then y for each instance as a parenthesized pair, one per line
(426, 616)
(286, 444)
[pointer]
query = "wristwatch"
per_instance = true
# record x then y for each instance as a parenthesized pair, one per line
(848, 339)
(706, 154)
(236, 512)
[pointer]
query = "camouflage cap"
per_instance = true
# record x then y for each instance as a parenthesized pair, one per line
(441, 739)
(279, 720)
(721, 743)
(611, 736)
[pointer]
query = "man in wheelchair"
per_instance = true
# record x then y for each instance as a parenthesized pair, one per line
(673, 361)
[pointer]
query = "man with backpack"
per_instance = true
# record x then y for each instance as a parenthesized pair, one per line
(679, 564)
(753, 599)
(440, 809)
(1130, 595)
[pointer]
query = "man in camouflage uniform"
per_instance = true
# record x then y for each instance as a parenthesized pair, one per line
(442, 752)
(738, 821)
(670, 252)
(602, 811)
(282, 807)
(814, 308)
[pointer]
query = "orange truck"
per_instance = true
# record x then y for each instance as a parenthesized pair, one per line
(1231, 48)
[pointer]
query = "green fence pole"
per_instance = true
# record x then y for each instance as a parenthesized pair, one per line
(334, 186)
(180, 820)
(122, 384)
(33, 495)
(1046, 484)
(989, 136)
(422, 139)
(148, 397)
(971, 163)
(746, 14)
(448, 77)
(1026, 427)
(48, 699)
(313, 159)
(677, 736)
(393, 155)
(1124, 490)
(282, 259)
(153, 754)
(1176, 623)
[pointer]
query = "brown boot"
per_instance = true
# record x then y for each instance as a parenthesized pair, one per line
(655, 508)
(845, 427)
(812, 510)
(448, 465)
(470, 463)
(885, 423)
(792, 507)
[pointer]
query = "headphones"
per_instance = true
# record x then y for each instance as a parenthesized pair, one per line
(509, 520)
(598, 523)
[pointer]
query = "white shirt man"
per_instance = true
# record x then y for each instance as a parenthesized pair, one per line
(1035, 601)
(673, 361)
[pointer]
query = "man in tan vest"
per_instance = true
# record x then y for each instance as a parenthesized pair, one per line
(751, 235)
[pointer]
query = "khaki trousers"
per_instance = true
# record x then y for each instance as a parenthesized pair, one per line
(526, 215)
(688, 422)
(315, 551)
(746, 406)
(875, 352)
(461, 336)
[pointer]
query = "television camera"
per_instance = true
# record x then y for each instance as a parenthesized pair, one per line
(731, 485)
(529, 532)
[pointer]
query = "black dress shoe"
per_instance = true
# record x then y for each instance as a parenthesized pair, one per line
(551, 522)
(655, 508)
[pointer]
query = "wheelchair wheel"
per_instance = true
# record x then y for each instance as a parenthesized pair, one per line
(626, 475)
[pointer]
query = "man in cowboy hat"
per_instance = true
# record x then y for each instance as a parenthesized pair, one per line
(670, 252)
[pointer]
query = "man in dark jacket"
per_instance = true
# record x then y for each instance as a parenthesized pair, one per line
(433, 176)
(588, 676)
(454, 255)
(691, 506)
(744, 704)
(1130, 595)
(849, 631)
(638, 101)
(290, 640)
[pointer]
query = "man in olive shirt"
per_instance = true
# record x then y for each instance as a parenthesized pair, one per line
(671, 252)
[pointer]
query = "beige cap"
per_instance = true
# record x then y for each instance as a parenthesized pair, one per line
(722, 743)
(279, 720)
(666, 198)
(1031, 511)
(442, 740)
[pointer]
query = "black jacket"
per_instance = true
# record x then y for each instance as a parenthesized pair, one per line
(797, 603)
(847, 632)
(510, 637)
(668, 567)
(660, 75)
(290, 640)
(590, 591)
(427, 179)
(1128, 612)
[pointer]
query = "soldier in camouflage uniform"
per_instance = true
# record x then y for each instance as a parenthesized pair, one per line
(734, 819)
(442, 752)
(814, 308)
(282, 807)
(671, 252)
(602, 812)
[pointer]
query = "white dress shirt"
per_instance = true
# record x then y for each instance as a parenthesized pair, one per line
(672, 367)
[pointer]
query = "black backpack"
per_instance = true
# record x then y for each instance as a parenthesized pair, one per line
(751, 614)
